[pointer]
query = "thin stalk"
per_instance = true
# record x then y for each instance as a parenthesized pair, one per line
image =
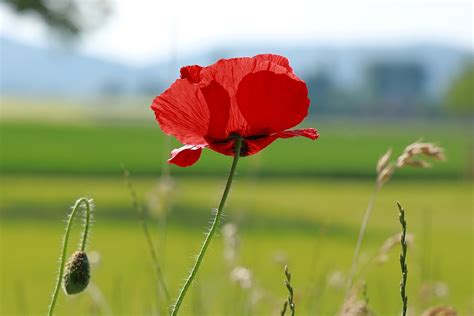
(212, 229)
(146, 232)
(83, 243)
(290, 300)
(403, 258)
(363, 227)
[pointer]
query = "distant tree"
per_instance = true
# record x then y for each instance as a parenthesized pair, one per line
(396, 84)
(112, 87)
(68, 17)
(460, 95)
(322, 91)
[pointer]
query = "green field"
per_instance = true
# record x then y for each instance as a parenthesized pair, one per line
(297, 202)
(312, 223)
(345, 149)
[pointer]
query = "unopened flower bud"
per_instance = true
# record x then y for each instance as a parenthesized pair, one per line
(76, 273)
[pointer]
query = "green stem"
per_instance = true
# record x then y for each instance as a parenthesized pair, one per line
(360, 238)
(146, 232)
(212, 229)
(83, 243)
(403, 258)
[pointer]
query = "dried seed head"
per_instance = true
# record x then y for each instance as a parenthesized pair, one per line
(440, 311)
(385, 174)
(242, 276)
(417, 163)
(417, 148)
(383, 161)
(336, 279)
(390, 243)
(76, 273)
(354, 307)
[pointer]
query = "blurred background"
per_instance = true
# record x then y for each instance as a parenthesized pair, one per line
(77, 79)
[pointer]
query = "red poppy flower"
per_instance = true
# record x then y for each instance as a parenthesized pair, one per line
(256, 99)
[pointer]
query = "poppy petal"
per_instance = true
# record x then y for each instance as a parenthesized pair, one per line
(186, 156)
(182, 111)
(218, 102)
(192, 73)
(276, 59)
(253, 146)
(271, 102)
(229, 74)
(310, 133)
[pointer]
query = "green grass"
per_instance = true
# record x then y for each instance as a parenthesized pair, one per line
(345, 149)
(313, 223)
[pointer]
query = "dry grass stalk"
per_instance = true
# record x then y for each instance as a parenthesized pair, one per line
(439, 311)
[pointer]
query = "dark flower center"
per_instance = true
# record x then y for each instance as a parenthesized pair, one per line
(244, 147)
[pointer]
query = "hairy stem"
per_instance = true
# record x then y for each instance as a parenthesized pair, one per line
(212, 229)
(83, 243)
(363, 227)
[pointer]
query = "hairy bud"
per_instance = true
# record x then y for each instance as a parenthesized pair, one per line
(76, 273)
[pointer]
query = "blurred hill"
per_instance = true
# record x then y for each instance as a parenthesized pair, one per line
(396, 76)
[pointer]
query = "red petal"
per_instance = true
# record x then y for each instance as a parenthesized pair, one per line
(276, 59)
(272, 102)
(229, 74)
(218, 102)
(310, 133)
(255, 145)
(186, 156)
(192, 73)
(252, 146)
(182, 111)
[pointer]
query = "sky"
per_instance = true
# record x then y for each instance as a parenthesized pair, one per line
(141, 31)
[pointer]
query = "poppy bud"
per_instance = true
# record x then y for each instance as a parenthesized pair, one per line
(76, 273)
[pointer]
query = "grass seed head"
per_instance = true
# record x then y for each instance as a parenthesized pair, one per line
(390, 243)
(385, 174)
(416, 149)
(242, 276)
(355, 307)
(439, 311)
(383, 161)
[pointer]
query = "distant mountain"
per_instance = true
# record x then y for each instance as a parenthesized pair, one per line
(29, 70)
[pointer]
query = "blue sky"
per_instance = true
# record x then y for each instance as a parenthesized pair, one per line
(139, 31)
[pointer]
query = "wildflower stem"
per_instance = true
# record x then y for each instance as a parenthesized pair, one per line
(83, 243)
(146, 232)
(212, 229)
(403, 258)
(363, 228)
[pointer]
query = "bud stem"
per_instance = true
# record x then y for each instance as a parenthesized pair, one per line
(212, 229)
(85, 232)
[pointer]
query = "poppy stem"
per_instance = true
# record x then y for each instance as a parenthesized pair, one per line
(88, 209)
(212, 230)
